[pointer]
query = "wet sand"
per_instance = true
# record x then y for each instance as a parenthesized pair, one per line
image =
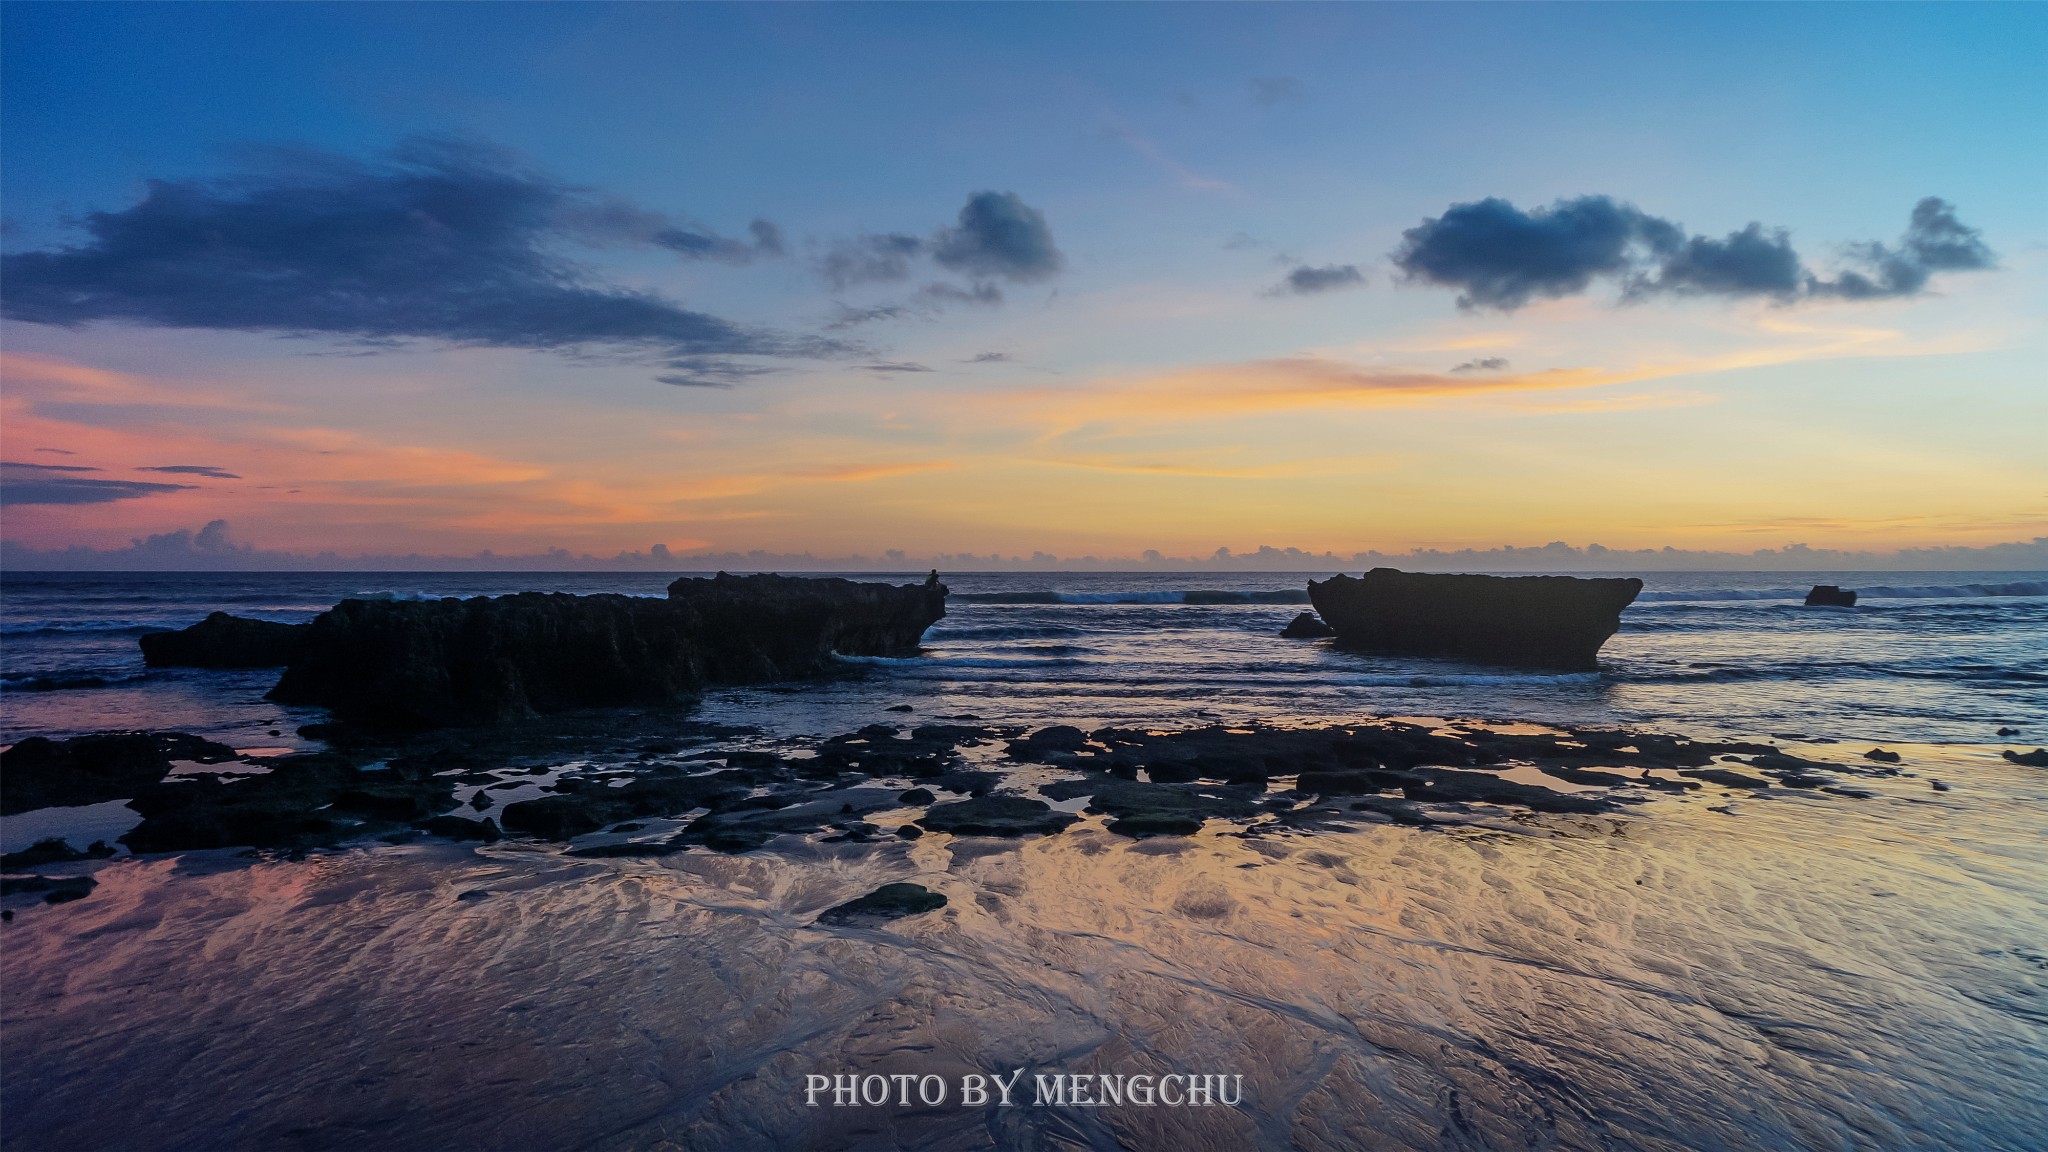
(1711, 970)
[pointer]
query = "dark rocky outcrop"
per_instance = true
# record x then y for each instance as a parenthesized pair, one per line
(1530, 621)
(461, 828)
(753, 629)
(1141, 810)
(53, 851)
(590, 808)
(1307, 626)
(2038, 758)
(1830, 596)
(224, 641)
(55, 889)
(422, 664)
(303, 801)
(42, 773)
(889, 902)
(995, 815)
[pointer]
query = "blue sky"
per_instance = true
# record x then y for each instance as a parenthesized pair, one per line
(1185, 160)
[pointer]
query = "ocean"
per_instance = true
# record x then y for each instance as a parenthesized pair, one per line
(1928, 656)
(1716, 968)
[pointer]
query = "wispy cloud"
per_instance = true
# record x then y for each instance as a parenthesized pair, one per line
(206, 470)
(57, 484)
(847, 473)
(1183, 175)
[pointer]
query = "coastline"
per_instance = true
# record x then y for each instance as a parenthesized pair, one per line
(1646, 976)
(1399, 930)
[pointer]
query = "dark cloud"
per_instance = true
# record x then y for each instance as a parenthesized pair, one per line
(206, 470)
(1483, 364)
(854, 317)
(58, 451)
(1748, 263)
(707, 246)
(982, 293)
(876, 258)
(710, 372)
(610, 222)
(1935, 241)
(768, 239)
(55, 467)
(438, 241)
(989, 358)
(56, 484)
(999, 235)
(1499, 256)
(1271, 91)
(887, 369)
(1309, 281)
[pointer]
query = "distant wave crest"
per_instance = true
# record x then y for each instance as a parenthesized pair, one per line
(1167, 596)
(1879, 592)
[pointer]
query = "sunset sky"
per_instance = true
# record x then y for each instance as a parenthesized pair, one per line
(384, 278)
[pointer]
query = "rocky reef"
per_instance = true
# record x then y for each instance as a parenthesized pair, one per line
(40, 773)
(487, 660)
(224, 641)
(629, 783)
(1529, 621)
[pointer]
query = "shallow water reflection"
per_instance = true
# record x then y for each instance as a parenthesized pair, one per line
(1711, 971)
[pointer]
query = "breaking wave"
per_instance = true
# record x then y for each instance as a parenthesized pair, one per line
(1879, 592)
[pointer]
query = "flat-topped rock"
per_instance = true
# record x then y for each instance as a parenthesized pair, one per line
(1529, 621)
(485, 660)
(759, 628)
(995, 815)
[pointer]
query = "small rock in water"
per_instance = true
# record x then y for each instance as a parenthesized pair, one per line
(1939, 786)
(461, 828)
(53, 851)
(55, 889)
(1058, 738)
(910, 832)
(899, 708)
(888, 902)
(995, 816)
(1881, 756)
(481, 800)
(2038, 758)
(1307, 626)
(918, 796)
(2008, 731)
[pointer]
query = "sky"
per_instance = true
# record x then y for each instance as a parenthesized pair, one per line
(389, 280)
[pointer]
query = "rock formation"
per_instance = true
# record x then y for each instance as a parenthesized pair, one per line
(1307, 626)
(1830, 596)
(40, 772)
(224, 641)
(411, 663)
(1531, 621)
